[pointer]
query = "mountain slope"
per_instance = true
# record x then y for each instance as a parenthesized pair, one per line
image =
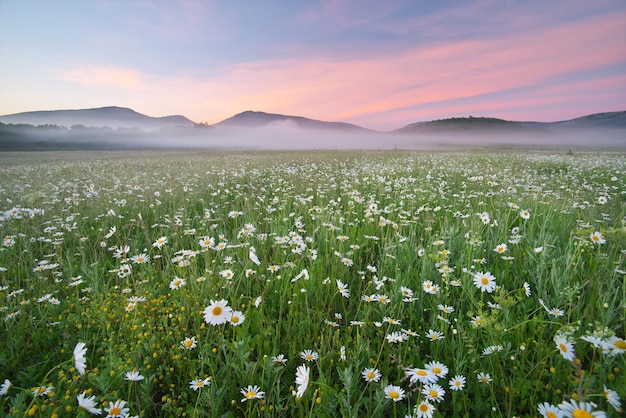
(112, 117)
(252, 119)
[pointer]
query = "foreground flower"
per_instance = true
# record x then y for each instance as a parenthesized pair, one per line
(433, 392)
(424, 410)
(177, 283)
(457, 382)
(4, 388)
(597, 238)
(199, 383)
(237, 318)
(117, 410)
(486, 282)
(134, 376)
(565, 346)
(309, 355)
(612, 397)
(189, 343)
(574, 409)
(371, 375)
(439, 369)
(252, 392)
(395, 393)
(483, 377)
(420, 375)
(88, 404)
(548, 411)
(218, 312)
(302, 379)
(79, 357)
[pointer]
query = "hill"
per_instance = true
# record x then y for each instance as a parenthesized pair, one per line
(483, 125)
(252, 119)
(111, 117)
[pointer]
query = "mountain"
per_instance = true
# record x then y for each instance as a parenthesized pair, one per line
(111, 117)
(609, 120)
(251, 119)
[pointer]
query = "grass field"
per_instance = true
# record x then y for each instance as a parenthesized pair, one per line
(277, 284)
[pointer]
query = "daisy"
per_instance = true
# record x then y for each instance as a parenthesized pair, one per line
(160, 242)
(430, 287)
(424, 410)
(237, 318)
(280, 359)
(439, 369)
(549, 411)
(597, 238)
(457, 382)
(42, 390)
(612, 397)
(302, 379)
(486, 282)
(309, 355)
(446, 308)
(525, 214)
(218, 312)
(343, 289)
(117, 410)
(79, 357)
(434, 335)
(395, 393)
(371, 375)
(199, 383)
(88, 404)
(527, 289)
(252, 392)
(177, 283)
(501, 249)
(483, 377)
(134, 376)
(433, 392)
(206, 242)
(253, 257)
(423, 376)
(4, 388)
(575, 409)
(614, 346)
(140, 259)
(565, 346)
(189, 343)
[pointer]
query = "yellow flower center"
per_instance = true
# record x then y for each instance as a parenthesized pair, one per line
(563, 348)
(436, 370)
(217, 311)
(621, 344)
(550, 414)
(234, 319)
(176, 282)
(250, 394)
(423, 407)
(421, 373)
(484, 379)
(394, 395)
(370, 375)
(200, 384)
(433, 393)
(457, 383)
(484, 281)
(188, 343)
(115, 411)
(579, 413)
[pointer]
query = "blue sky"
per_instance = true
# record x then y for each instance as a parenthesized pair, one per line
(378, 64)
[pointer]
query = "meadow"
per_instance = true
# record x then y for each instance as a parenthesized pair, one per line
(313, 284)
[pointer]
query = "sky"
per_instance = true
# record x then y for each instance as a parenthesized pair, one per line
(378, 64)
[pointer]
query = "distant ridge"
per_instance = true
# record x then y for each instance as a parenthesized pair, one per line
(110, 116)
(253, 119)
(607, 120)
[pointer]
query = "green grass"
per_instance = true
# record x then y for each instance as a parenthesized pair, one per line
(369, 219)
